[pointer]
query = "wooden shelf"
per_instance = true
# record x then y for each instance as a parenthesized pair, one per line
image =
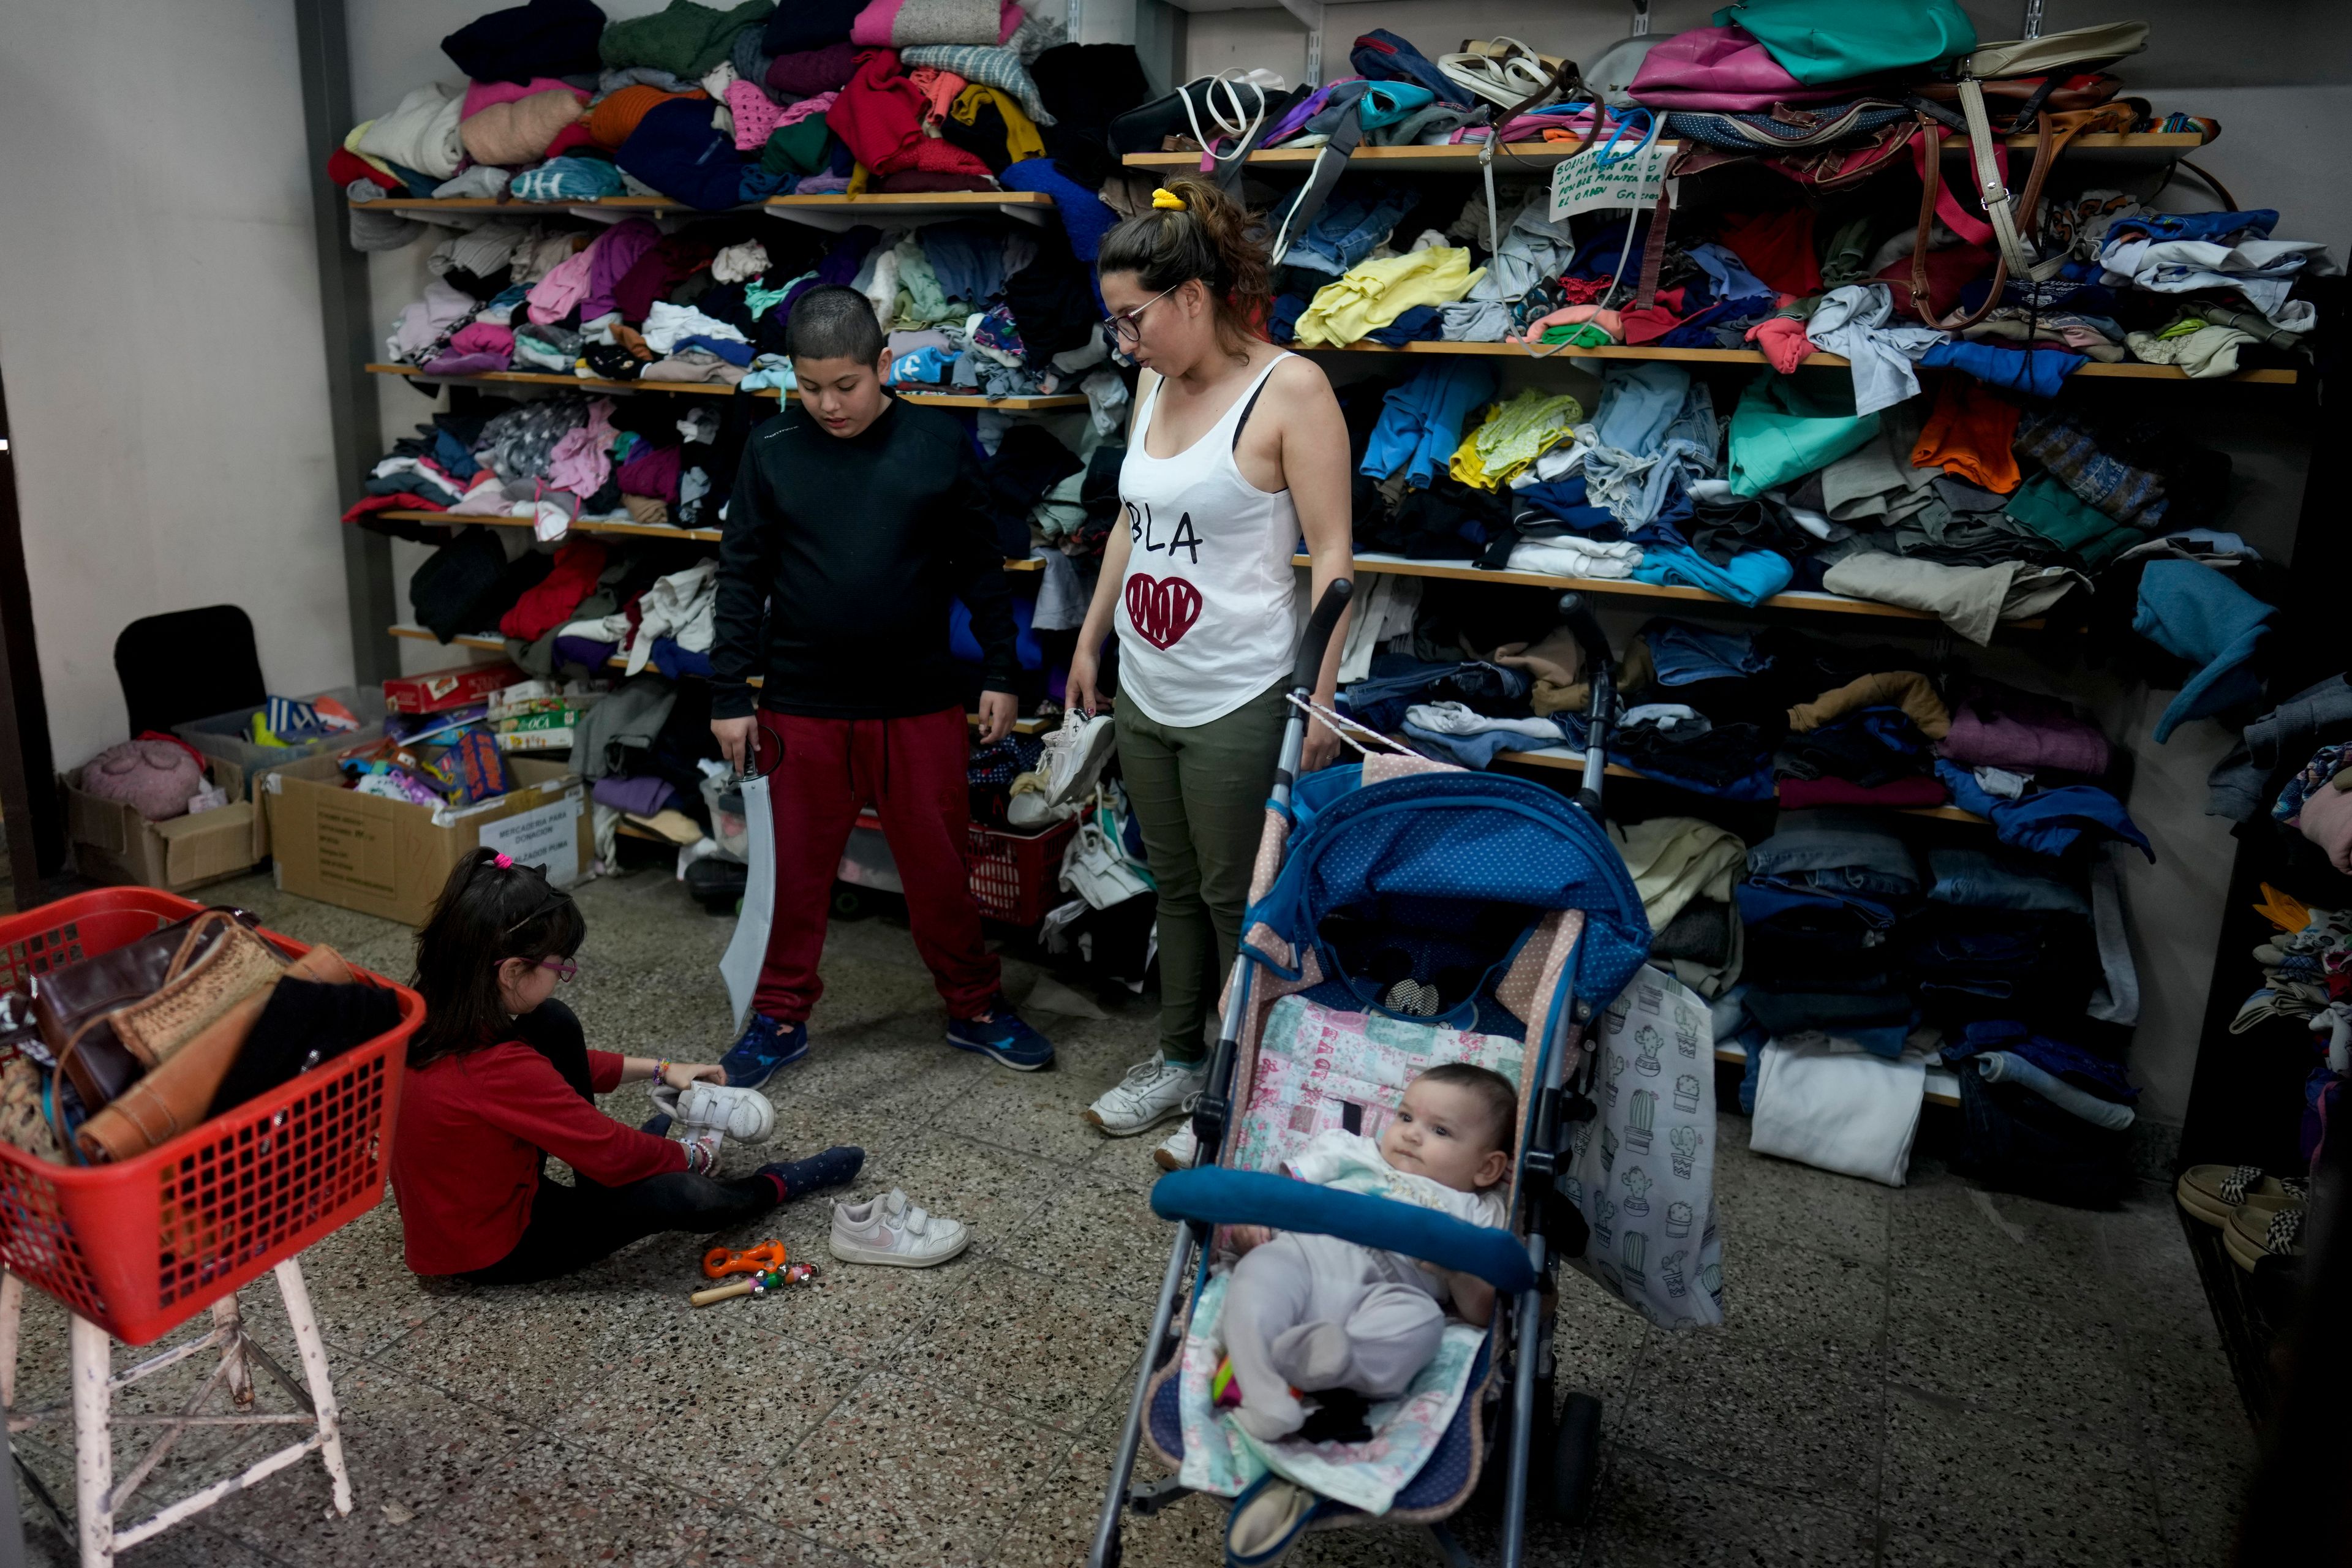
(2126, 370)
(1943, 1087)
(1523, 157)
(830, 211)
(1468, 571)
(497, 644)
(707, 389)
(1572, 762)
(639, 530)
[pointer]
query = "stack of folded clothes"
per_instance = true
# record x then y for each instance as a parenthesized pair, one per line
(1822, 904)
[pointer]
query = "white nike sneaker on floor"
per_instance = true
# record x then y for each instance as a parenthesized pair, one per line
(889, 1230)
(1149, 1094)
(743, 1114)
(1181, 1148)
(1074, 755)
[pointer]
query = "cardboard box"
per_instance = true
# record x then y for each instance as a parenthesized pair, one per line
(112, 843)
(443, 690)
(390, 857)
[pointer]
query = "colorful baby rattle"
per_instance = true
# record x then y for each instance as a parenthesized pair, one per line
(764, 1268)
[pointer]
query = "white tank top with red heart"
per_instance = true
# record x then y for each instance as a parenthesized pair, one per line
(1209, 615)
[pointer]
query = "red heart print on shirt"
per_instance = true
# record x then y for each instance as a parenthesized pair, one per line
(1161, 608)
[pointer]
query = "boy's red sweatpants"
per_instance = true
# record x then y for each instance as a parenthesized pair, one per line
(912, 771)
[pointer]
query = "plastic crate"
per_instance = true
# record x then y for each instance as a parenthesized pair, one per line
(138, 1247)
(1016, 877)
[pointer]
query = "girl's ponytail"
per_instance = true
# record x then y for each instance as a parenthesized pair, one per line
(1199, 232)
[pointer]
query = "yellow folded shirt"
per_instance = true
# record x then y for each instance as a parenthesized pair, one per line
(1022, 140)
(1374, 293)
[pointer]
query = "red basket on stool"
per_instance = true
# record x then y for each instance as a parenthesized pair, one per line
(140, 1246)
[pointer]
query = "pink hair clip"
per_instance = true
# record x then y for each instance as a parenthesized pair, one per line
(505, 862)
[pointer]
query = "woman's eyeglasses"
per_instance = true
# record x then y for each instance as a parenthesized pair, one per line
(565, 968)
(1124, 329)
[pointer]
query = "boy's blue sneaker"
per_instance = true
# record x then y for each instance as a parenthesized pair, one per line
(765, 1046)
(999, 1033)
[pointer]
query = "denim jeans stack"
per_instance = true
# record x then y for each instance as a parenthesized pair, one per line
(1825, 903)
(2003, 934)
(2041, 1116)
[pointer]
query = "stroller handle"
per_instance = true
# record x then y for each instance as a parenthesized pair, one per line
(1320, 627)
(1585, 627)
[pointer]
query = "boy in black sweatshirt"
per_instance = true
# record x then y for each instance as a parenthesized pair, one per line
(850, 531)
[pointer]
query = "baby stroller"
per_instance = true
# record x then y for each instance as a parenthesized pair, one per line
(1514, 924)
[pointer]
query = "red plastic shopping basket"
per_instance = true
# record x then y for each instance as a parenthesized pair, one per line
(140, 1246)
(1015, 877)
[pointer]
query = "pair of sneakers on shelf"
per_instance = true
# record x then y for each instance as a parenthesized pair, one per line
(2259, 1215)
(998, 1034)
(1154, 1092)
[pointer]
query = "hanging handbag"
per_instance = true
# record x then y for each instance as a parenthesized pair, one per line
(2051, 63)
(112, 1018)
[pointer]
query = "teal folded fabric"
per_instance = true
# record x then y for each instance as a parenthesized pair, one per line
(1821, 41)
(1780, 432)
(2053, 511)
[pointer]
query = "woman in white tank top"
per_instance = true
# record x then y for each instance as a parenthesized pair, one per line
(1237, 451)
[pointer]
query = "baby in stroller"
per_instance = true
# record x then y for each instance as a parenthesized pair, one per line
(1306, 1313)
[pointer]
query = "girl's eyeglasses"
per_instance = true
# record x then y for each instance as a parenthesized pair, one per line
(565, 968)
(1124, 330)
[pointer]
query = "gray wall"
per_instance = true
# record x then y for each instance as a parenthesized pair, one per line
(159, 331)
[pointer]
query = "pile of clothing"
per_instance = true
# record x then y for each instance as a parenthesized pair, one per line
(1978, 510)
(717, 108)
(557, 461)
(1867, 958)
(572, 609)
(970, 307)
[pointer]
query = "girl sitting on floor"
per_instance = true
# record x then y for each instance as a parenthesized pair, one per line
(500, 1077)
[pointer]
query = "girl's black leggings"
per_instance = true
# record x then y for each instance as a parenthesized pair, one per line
(573, 1226)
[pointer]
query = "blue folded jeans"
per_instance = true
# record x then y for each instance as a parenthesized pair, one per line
(2003, 1067)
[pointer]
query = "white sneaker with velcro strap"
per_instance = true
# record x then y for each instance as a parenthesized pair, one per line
(889, 1230)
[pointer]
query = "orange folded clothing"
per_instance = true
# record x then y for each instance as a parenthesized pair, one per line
(1968, 434)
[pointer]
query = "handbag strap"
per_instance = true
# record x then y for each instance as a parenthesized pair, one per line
(1330, 163)
(1232, 119)
(1567, 81)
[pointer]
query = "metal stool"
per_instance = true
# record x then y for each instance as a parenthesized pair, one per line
(99, 1497)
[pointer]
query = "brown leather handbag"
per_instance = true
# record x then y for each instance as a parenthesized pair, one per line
(176, 1094)
(111, 1018)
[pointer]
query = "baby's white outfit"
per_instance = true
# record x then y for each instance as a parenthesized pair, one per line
(1313, 1312)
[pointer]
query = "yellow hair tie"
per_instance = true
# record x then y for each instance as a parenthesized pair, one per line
(1165, 200)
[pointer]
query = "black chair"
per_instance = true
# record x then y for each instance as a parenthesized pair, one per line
(189, 664)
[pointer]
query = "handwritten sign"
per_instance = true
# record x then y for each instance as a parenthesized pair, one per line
(1583, 182)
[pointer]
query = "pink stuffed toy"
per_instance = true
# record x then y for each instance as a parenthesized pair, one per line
(156, 776)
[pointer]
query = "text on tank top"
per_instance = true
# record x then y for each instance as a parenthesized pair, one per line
(1208, 614)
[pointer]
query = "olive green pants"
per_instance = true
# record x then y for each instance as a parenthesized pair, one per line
(1198, 794)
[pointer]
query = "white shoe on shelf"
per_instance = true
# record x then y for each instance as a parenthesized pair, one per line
(1148, 1095)
(891, 1231)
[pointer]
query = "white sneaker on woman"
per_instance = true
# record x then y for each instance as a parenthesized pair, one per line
(1148, 1095)
(890, 1230)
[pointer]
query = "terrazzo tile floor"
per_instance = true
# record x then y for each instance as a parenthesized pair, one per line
(1915, 1377)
